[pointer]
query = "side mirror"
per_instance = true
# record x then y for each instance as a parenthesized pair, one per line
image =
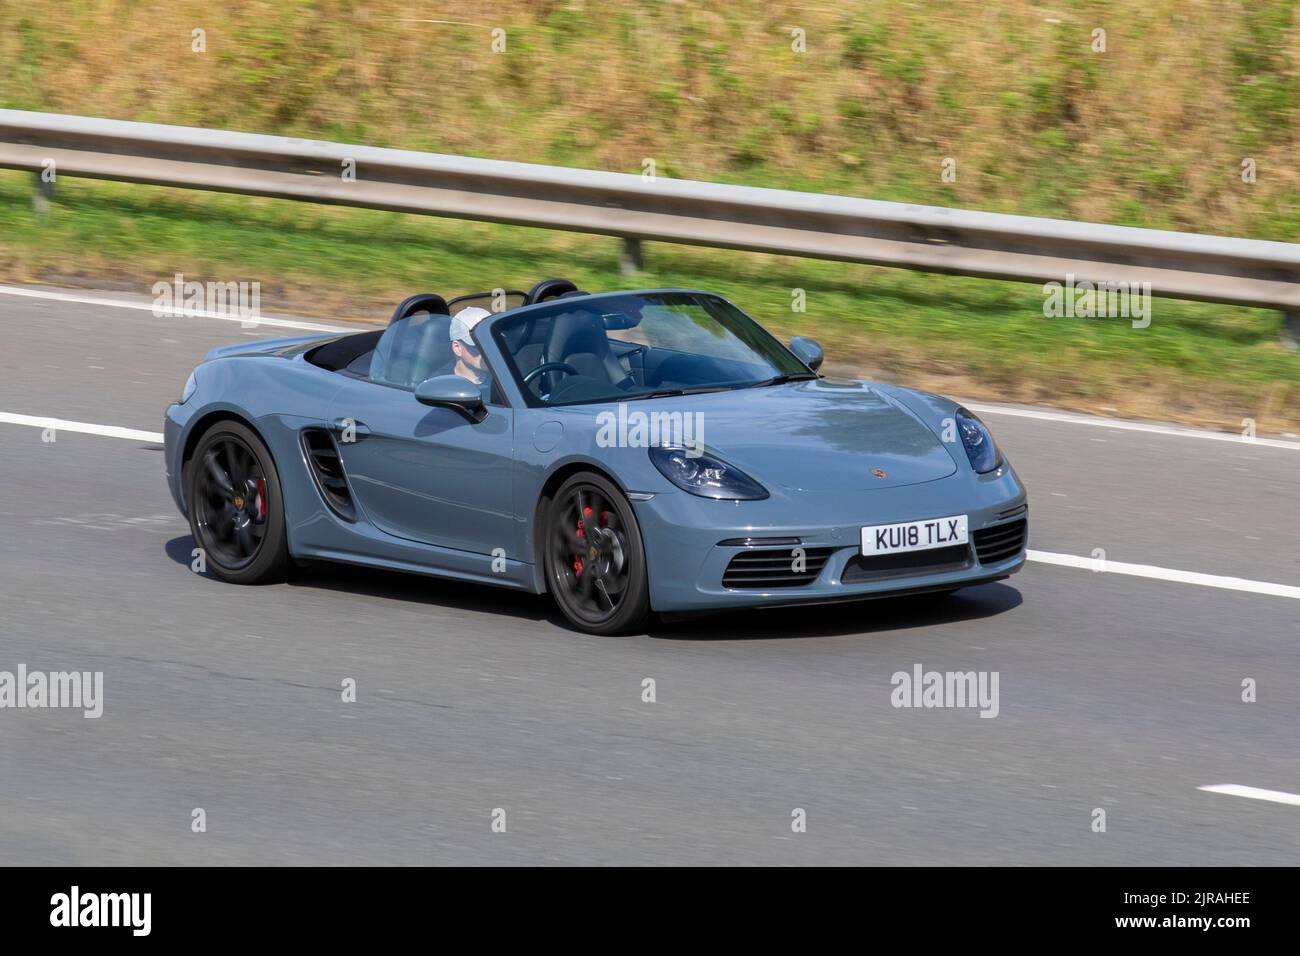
(806, 350)
(455, 392)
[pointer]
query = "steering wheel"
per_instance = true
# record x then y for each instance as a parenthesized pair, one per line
(545, 367)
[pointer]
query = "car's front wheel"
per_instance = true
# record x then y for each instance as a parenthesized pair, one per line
(594, 557)
(235, 506)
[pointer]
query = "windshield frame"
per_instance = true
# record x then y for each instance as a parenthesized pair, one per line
(744, 327)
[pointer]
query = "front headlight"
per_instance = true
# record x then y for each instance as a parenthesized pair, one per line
(705, 475)
(188, 390)
(978, 440)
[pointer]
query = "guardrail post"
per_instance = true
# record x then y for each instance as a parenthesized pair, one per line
(630, 260)
(1291, 330)
(44, 193)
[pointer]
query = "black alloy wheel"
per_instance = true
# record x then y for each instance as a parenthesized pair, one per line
(595, 561)
(235, 505)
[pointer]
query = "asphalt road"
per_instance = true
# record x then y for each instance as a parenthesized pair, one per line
(1115, 692)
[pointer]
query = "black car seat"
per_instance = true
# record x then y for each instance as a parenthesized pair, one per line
(579, 339)
(416, 344)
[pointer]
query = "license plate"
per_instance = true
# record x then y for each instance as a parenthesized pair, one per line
(914, 535)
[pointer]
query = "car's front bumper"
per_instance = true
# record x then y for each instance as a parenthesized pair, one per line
(174, 421)
(687, 558)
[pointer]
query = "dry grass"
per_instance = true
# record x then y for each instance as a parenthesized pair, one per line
(1152, 131)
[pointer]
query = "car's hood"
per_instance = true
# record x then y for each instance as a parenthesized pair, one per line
(814, 436)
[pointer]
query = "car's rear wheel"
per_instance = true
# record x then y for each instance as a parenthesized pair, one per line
(594, 557)
(235, 506)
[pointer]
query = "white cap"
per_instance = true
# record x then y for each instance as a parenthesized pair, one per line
(464, 320)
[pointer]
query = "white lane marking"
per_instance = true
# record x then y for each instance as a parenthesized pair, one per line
(1254, 793)
(85, 428)
(171, 313)
(1121, 424)
(1107, 566)
(1044, 557)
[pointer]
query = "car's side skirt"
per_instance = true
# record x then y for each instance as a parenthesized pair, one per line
(515, 575)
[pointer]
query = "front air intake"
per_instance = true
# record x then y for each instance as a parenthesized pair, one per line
(881, 567)
(775, 568)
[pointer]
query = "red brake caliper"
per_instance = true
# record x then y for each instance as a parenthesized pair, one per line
(577, 558)
(261, 498)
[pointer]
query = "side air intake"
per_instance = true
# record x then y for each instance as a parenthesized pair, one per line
(327, 470)
(1002, 542)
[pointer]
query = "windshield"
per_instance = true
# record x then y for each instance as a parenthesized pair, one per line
(622, 347)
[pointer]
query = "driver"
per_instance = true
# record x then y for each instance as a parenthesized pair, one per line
(467, 359)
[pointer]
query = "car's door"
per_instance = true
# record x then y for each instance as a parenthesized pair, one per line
(428, 474)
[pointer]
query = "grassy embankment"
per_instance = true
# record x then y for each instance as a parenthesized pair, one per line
(1152, 132)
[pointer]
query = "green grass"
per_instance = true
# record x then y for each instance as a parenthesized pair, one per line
(978, 338)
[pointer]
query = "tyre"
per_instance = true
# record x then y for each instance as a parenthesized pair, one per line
(236, 507)
(594, 557)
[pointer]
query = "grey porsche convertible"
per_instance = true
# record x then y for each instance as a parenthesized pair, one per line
(627, 452)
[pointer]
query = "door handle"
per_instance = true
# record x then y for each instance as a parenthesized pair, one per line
(349, 429)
